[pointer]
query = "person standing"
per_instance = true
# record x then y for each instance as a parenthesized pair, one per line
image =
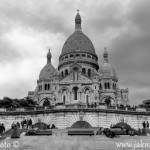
(147, 125)
(16, 132)
(18, 124)
(144, 125)
(30, 123)
(3, 128)
(13, 124)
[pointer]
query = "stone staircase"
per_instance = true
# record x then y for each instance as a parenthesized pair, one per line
(9, 132)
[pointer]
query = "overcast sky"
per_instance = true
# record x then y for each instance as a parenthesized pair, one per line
(29, 27)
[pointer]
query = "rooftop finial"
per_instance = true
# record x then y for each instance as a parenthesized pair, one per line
(78, 21)
(49, 56)
(105, 55)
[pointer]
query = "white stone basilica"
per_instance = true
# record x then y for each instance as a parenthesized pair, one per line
(78, 79)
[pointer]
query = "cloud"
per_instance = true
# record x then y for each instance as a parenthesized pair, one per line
(107, 15)
(28, 28)
(130, 51)
(138, 14)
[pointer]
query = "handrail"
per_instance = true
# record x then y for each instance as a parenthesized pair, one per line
(39, 108)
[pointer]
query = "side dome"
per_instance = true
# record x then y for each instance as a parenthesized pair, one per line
(48, 70)
(106, 70)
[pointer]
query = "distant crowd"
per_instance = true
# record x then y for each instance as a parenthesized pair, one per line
(24, 124)
(145, 125)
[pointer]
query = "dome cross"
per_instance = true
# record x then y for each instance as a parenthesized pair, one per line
(105, 55)
(78, 21)
(49, 56)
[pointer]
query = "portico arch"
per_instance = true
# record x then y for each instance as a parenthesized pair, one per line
(81, 124)
(45, 102)
(108, 100)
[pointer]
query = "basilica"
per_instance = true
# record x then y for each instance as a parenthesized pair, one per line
(79, 79)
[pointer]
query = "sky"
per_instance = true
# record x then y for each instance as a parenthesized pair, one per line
(28, 28)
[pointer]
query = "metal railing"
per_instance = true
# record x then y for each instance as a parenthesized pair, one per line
(39, 108)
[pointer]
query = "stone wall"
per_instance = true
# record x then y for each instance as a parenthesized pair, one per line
(64, 118)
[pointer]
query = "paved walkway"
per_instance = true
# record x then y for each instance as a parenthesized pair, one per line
(61, 141)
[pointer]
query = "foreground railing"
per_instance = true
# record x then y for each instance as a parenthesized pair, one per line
(39, 108)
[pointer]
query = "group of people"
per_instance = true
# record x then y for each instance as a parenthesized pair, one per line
(26, 123)
(2, 129)
(145, 125)
(15, 124)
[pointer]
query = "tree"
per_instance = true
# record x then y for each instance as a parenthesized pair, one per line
(46, 102)
(27, 102)
(108, 100)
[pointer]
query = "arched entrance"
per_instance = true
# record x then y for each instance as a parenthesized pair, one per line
(46, 102)
(108, 100)
(81, 124)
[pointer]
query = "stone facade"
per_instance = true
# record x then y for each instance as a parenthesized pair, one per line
(79, 78)
(63, 118)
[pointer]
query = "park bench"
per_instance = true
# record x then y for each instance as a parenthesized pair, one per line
(39, 132)
(80, 132)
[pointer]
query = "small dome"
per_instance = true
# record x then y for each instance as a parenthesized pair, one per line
(106, 70)
(48, 70)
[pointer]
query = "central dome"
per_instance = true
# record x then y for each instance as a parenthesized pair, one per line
(78, 42)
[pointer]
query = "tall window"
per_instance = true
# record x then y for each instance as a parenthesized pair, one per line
(75, 90)
(64, 99)
(83, 71)
(62, 74)
(66, 72)
(75, 75)
(89, 72)
(108, 85)
(87, 99)
(45, 86)
(100, 86)
(105, 85)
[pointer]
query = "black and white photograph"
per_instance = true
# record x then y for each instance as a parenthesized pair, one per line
(74, 74)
